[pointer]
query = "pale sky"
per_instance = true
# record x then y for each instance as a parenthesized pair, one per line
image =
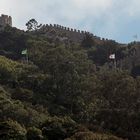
(113, 19)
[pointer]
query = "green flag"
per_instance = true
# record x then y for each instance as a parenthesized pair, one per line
(24, 52)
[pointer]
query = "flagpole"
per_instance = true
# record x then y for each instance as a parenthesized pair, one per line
(113, 58)
(115, 65)
(27, 58)
(25, 53)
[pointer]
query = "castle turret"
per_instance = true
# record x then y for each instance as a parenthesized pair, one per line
(5, 20)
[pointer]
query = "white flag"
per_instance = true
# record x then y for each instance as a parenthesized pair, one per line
(112, 56)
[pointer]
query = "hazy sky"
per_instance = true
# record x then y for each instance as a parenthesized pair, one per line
(114, 19)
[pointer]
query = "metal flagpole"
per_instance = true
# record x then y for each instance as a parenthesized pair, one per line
(115, 65)
(27, 58)
(113, 58)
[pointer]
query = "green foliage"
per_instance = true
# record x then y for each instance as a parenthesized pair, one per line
(92, 136)
(7, 69)
(13, 41)
(16, 110)
(59, 128)
(34, 133)
(88, 41)
(32, 25)
(12, 70)
(61, 80)
(12, 130)
(22, 94)
(135, 71)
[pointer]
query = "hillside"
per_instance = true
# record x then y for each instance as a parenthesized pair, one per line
(67, 89)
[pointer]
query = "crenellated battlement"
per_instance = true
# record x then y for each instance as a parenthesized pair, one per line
(73, 34)
(5, 20)
(57, 26)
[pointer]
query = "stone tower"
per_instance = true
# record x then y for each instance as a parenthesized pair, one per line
(5, 20)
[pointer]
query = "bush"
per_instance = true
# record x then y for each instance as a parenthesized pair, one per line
(59, 128)
(34, 133)
(12, 130)
(22, 94)
(7, 69)
(92, 136)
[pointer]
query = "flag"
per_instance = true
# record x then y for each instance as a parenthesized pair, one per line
(112, 56)
(24, 52)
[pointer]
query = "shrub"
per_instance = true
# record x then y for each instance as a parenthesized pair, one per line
(34, 133)
(12, 130)
(92, 136)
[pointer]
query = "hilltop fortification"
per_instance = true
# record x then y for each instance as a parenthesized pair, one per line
(65, 32)
(5, 20)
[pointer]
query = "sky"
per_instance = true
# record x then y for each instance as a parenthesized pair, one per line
(113, 19)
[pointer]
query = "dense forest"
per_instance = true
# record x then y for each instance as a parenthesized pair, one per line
(63, 90)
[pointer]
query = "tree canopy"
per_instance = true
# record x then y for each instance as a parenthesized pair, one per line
(65, 91)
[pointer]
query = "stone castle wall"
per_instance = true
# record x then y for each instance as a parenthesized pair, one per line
(73, 34)
(5, 20)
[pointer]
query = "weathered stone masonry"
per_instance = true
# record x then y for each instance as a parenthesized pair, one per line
(5, 20)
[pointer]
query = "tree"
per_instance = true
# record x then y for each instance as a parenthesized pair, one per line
(92, 136)
(34, 133)
(135, 71)
(7, 69)
(58, 128)
(88, 41)
(12, 130)
(33, 25)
